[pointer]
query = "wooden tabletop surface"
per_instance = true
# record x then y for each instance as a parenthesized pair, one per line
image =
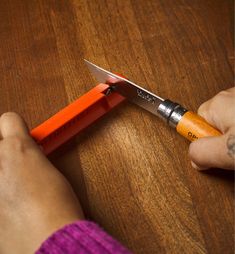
(130, 170)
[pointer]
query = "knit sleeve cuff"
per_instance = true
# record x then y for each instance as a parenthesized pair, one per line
(82, 237)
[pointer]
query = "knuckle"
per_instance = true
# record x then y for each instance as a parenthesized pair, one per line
(204, 107)
(219, 99)
(223, 93)
(194, 151)
(6, 115)
(13, 149)
(16, 144)
(196, 155)
(210, 106)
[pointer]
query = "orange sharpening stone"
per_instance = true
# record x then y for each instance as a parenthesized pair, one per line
(75, 117)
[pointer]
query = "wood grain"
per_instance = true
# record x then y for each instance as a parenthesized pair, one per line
(130, 171)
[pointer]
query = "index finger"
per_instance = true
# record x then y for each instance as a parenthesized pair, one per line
(220, 110)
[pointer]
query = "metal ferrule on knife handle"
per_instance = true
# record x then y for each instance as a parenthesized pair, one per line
(187, 123)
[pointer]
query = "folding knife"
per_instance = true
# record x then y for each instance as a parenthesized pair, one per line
(112, 90)
(187, 123)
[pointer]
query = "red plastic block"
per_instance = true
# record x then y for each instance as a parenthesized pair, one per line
(75, 117)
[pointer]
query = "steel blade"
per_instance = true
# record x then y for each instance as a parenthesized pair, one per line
(128, 89)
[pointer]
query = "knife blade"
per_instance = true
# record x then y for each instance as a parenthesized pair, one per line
(186, 123)
(127, 88)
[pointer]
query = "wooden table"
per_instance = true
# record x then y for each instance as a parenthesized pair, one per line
(131, 171)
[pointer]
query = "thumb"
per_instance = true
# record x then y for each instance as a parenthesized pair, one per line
(213, 152)
(11, 124)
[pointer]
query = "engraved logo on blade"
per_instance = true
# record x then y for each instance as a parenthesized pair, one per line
(146, 96)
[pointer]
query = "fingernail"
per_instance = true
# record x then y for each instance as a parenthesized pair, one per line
(196, 166)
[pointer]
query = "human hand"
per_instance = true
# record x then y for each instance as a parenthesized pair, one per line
(35, 198)
(216, 152)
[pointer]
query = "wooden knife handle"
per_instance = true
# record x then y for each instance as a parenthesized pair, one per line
(193, 126)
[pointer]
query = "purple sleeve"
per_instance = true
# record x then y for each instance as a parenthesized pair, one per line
(82, 237)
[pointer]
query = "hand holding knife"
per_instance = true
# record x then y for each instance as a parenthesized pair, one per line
(101, 99)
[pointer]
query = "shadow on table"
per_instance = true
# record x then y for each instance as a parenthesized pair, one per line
(224, 175)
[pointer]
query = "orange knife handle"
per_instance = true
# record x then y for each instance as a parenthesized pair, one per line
(187, 123)
(193, 126)
(75, 117)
